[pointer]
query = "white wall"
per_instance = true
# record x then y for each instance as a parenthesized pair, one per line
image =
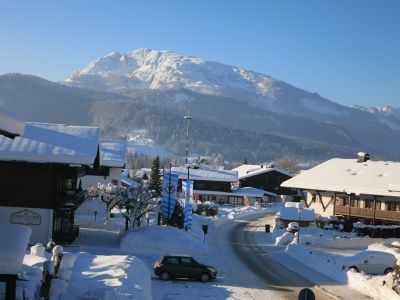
(317, 206)
(40, 233)
(90, 180)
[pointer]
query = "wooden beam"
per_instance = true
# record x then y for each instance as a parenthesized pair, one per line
(322, 202)
(373, 219)
(334, 203)
(304, 197)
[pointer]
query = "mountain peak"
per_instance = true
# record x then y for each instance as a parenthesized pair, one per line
(153, 69)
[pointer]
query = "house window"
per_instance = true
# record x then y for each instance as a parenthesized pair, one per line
(68, 184)
(368, 203)
(213, 198)
(392, 206)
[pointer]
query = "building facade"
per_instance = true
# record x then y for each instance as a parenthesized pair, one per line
(356, 189)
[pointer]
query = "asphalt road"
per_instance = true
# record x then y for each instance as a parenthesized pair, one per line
(277, 279)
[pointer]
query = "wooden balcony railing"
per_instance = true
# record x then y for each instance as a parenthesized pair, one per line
(367, 213)
(74, 199)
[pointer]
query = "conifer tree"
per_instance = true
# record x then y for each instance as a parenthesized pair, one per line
(155, 182)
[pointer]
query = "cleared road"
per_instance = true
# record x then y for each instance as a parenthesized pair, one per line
(279, 280)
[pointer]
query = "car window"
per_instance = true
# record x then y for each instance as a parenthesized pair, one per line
(172, 260)
(186, 261)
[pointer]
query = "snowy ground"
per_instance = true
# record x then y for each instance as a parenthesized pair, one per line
(103, 264)
(323, 248)
(111, 265)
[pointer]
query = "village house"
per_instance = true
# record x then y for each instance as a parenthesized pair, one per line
(265, 177)
(356, 189)
(218, 185)
(209, 184)
(112, 161)
(40, 167)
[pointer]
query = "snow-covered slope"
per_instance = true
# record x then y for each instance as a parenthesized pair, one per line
(146, 69)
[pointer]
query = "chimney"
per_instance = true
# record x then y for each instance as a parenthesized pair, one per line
(362, 157)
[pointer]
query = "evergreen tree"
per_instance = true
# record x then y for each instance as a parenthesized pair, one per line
(155, 182)
(177, 218)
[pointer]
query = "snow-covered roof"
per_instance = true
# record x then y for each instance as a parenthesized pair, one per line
(205, 173)
(245, 171)
(241, 192)
(129, 182)
(13, 241)
(252, 192)
(10, 123)
(291, 213)
(52, 143)
(112, 154)
(380, 178)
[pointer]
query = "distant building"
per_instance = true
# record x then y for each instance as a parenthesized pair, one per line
(357, 189)
(265, 177)
(40, 168)
(210, 184)
(215, 185)
(112, 161)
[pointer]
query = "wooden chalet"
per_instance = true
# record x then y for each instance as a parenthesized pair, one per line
(209, 184)
(356, 189)
(264, 177)
(40, 168)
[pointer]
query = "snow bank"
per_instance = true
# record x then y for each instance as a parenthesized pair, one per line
(32, 276)
(14, 239)
(291, 213)
(284, 239)
(116, 277)
(163, 240)
(228, 213)
(328, 265)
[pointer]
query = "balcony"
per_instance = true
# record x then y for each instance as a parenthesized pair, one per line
(71, 199)
(367, 213)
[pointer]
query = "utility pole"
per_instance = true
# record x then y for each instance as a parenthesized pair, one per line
(188, 117)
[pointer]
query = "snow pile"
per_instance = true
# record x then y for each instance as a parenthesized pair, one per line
(291, 213)
(331, 267)
(31, 275)
(284, 239)
(38, 250)
(117, 277)
(14, 239)
(164, 240)
(227, 213)
(318, 237)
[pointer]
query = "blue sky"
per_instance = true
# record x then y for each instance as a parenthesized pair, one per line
(347, 51)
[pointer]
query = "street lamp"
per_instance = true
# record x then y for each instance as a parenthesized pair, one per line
(300, 209)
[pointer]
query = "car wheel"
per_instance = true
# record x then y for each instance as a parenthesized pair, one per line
(388, 270)
(204, 277)
(165, 275)
(354, 268)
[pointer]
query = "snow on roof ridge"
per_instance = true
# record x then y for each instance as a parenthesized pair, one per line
(350, 176)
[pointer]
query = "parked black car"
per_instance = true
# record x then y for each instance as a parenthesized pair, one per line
(183, 266)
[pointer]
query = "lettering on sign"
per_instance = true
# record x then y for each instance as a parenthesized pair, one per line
(26, 217)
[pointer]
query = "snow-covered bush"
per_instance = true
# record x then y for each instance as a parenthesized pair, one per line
(38, 250)
(132, 202)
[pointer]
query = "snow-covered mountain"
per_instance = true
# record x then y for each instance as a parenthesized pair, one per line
(152, 69)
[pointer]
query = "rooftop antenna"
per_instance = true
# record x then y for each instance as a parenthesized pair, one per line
(188, 117)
